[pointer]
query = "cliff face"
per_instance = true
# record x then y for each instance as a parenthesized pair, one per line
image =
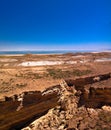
(70, 114)
(96, 95)
(17, 111)
(74, 104)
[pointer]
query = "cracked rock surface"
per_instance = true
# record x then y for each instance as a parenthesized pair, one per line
(82, 104)
(68, 115)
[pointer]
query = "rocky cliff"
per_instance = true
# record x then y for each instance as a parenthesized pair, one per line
(73, 105)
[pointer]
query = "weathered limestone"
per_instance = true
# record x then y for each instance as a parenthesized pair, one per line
(13, 114)
(63, 107)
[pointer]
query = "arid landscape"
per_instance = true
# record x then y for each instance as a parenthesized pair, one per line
(37, 72)
(69, 91)
(55, 65)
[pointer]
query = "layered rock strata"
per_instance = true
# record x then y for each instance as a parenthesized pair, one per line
(68, 115)
(73, 105)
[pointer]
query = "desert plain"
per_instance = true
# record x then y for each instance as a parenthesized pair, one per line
(69, 91)
(27, 72)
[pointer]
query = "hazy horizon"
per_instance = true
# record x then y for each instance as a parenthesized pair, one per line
(19, 46)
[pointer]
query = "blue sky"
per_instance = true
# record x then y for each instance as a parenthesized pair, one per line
(55, 24)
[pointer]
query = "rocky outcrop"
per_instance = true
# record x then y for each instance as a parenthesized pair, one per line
(96, 95)
(80, 82)
(66, 106)
(56, 118)
(69, 116)
(19, 110)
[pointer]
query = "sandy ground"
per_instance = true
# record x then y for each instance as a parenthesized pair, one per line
(37, 72)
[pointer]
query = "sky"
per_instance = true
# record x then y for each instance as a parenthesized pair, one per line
(55, 25)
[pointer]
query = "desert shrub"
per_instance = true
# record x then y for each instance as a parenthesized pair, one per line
(58, 73)
(32, 75)
(78, 72)
(6, 88)
(29, 75)
(55, 73)
(21, 85)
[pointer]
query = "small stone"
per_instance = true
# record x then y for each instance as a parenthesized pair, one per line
(61, 127)
(62, 116)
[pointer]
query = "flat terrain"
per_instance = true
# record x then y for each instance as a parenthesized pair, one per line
(20, 73)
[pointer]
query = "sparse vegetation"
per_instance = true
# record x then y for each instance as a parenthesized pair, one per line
(58, 73)
(55, 73)
(43, 76)
(21, 85)
(78, 72)
(29, 75)
(6, 88)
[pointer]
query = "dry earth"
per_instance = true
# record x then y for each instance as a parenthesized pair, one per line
(37, 72)
(15, 78)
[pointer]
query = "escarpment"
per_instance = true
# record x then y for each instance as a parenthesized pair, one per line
(20, 110)
(73, 104)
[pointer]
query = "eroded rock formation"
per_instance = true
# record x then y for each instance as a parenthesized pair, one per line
(17, 112)
(73, 105)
